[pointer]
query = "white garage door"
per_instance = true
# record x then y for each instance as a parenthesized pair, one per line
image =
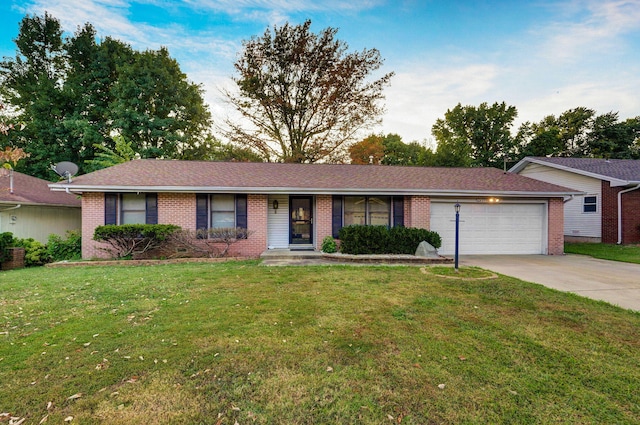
(491, 228)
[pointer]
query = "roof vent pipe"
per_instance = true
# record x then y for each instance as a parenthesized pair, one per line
(620, 210)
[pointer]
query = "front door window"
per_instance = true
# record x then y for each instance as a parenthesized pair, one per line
(300, 210)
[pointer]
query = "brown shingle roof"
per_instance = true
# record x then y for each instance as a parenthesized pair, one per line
(620, 169)
(33, 191)
(203, 176)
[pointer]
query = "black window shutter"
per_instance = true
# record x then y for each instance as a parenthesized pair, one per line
(241, 211)
(152, 208)
(202, 211)
(336, 215)
(398, 211)
(110, 208)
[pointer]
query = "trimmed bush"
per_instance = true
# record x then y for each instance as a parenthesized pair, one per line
(60, 249)
(329, 245)
(127, 240)
(35, 252)
(6, 241)
(358, 239)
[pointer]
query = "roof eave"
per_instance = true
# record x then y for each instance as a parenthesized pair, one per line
(309, 191)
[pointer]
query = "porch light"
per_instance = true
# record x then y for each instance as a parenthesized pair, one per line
(275, 205)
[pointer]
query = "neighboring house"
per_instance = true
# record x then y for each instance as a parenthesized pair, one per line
(294, 206)
(609, 209)
(28, 209)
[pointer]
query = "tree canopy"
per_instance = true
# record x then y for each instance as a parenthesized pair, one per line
(302, 96)
(74, 96)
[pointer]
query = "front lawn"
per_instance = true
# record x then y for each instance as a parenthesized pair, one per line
(242, 343)
(625, 253)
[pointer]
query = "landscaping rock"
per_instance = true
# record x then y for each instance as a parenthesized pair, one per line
(425, 249)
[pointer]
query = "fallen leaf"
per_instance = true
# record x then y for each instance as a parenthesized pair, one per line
(49, 405)
(75, 396)
(329, 369)
(391, 418)
(463, 358)
(43, 420)
(68, 419)
(441, 386)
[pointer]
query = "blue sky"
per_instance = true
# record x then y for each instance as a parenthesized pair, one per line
(543, 57)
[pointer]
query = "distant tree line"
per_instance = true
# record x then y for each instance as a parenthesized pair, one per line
(482, 136)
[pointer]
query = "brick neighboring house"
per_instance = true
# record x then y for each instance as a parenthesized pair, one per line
(609, 209)
(294, 206)
(28, 209)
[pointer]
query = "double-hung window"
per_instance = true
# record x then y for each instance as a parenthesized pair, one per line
(130, 208)
(221, 210)
(367, 211)
(590, 204)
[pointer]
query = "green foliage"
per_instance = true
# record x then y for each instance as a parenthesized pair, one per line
(329, 245)
(127, 240)
(35, 252)
(60, 249)
(356, 239)
(6, 241)
(475, 136)
(105, 157)
(304, 93)
(74, 94)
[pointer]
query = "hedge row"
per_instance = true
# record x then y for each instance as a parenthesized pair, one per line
(358, 239)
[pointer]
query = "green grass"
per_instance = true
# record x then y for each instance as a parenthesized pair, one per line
(625, 253)
(239, 342)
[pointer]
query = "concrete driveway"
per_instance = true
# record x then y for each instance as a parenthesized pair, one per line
(612, 281)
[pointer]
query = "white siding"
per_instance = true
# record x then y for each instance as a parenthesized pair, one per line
(278, 222)
(504, 228)
(38, 222)
(576, 222)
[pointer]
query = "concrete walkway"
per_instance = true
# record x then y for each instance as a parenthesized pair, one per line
(612, 281)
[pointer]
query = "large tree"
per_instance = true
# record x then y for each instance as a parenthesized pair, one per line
(475, 136)
(303, 96)
(75, 95)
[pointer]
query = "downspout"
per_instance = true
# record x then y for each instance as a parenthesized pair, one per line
(620, 210)
(11, 208)
(564, 201)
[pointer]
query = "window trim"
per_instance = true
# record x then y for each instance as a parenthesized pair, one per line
(113, 212)
(591, 205)
(396, 211)
(204, 216)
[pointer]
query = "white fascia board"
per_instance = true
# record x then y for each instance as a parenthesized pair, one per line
(612, 181)
(306, 191)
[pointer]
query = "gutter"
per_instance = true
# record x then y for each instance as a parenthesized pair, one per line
(620, 210)
(11, 208)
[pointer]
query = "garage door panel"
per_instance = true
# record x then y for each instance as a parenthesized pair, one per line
(491, 228)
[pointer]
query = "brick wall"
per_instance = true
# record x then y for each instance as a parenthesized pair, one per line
(630, 215)
(178, 209)
(555, 226)
(323, 218)
(92, 217)
(418, 212)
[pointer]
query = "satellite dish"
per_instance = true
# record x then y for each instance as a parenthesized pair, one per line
(65, 169)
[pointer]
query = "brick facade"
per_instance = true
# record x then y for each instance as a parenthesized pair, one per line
(323, 222)
(418, 212)
(180, 209)
(555, 237)
(630, 215)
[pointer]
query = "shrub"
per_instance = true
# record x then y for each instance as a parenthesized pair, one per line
(35, 252)
(329, 245)
(6, 241)
(358, 239)
(213, 243)
(60, 249)
(127, 240)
